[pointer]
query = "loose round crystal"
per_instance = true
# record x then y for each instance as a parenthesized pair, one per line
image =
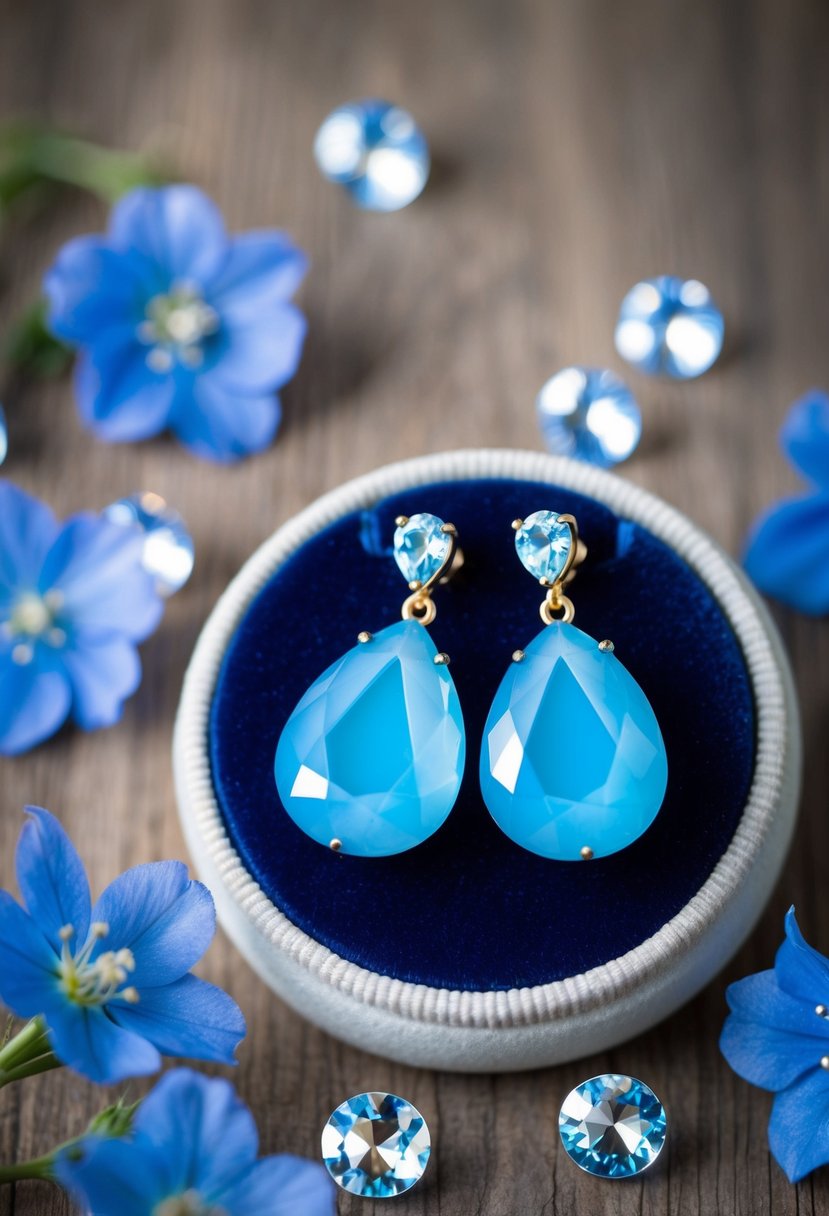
(613, 1126)
(376, 1145)
(420, 547)
(670, 326)
(168, 546)
(4, 436)
(376, 151)
(589, 414)
(543, 545)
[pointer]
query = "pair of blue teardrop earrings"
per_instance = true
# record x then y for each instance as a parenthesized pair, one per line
(573, 764)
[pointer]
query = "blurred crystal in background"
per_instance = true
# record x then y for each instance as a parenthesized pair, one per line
(168, 546)
(670, 326)
(4, 436)
(376, 152)
(589, 414)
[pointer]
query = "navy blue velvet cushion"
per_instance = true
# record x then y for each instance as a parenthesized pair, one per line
(470, 909)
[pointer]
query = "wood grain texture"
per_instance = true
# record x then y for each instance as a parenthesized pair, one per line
(578, 147)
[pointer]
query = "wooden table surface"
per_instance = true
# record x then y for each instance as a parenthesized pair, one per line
(578, 147)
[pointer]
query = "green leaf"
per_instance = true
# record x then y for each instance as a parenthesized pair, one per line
(30, 347)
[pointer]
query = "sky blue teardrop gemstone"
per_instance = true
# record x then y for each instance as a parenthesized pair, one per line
(572, 756)
(373, 754)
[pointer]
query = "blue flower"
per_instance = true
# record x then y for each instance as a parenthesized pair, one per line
(777, 1037)
(111, 981)
(192, 1153)
(74, 600)
(179, 325)
(788, 550)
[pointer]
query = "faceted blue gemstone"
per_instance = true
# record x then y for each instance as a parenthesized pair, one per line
(376, 151)
(373, 754)
(589, 414)
(543, 545)
(421, 547)
(573, 764)
(168, 553)
(376, 1145)
(4, 436)
(613, 1126)
(670, 326)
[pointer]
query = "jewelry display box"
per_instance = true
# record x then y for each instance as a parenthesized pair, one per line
(469, 952)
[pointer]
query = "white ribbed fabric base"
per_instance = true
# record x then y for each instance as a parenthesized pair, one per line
(526, 1027)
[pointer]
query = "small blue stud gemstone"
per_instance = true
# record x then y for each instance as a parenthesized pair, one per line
(543, 544)
(4, 436)
(613, 1126)
(376, 1145)
(670, 326)
(573, 764)
(373, 754)
(168, 553)
(589, 414)
(420, 547)
(376, 151)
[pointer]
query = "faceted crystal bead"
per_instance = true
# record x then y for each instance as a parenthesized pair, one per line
(4, 436)
(420, 547)
(168, 546)
(373, 754)
(670, 326)
(573, 764)
(589, 414)
(613, 1126)
(376, 1145)
(543, 545)
(376, 152)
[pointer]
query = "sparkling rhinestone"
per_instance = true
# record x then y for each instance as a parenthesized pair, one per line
(589, 414)
(373, 754)
(613, 1126)
(420, 547)
(4, 436)
(543, 544)
(376, 151)
(168, 546)
(376, 1145)
(670, 326)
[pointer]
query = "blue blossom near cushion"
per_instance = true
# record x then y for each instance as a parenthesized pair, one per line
(111, 981)
(74, 601)
(787, 554)
(178, 324)
(777, 1037)
(193, 1150)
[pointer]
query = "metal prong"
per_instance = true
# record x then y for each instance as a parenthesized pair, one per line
(545, 582)
(824, 1062)
(402, 520)
(442, 659)
(364, 636)
(335, 845)
(449, 529)
(607, 646)
(586, 853)
(518, 656)
(415, 584)
(516, 524)
(822, 1011)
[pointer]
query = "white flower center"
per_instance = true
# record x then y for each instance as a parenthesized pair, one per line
(175, 327)
(190, 1203)
(33, 618)
(95, 981)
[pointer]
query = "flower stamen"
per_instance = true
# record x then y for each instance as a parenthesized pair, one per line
(32, 619)
(175, 327)
(88, 981)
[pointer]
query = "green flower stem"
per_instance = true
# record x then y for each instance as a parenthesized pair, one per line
(27, 1044)
(114, 1121)
(38, 1167)
(31, 1068)
(76, 162)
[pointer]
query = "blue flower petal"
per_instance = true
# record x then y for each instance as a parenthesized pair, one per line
(103, 673)
(27, 530)
(51, 878)
(97, 568)
(759, 998)
(187, 1018)
(788, 553)
(204, 1125)
(34, 703)
(114, 1177)
(119, 397)
(261, 269)
(167, 920)
(28, 965)
(223, 425)
(281, 1186)
(799, 1125)
(91, 288)
(86, 1040)
(258, 354)
(800, 969)
(766, 1056)
(178, 227)
(804, 436)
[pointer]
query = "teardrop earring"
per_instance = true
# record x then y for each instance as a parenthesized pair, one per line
(370, 761)
(573, 764)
